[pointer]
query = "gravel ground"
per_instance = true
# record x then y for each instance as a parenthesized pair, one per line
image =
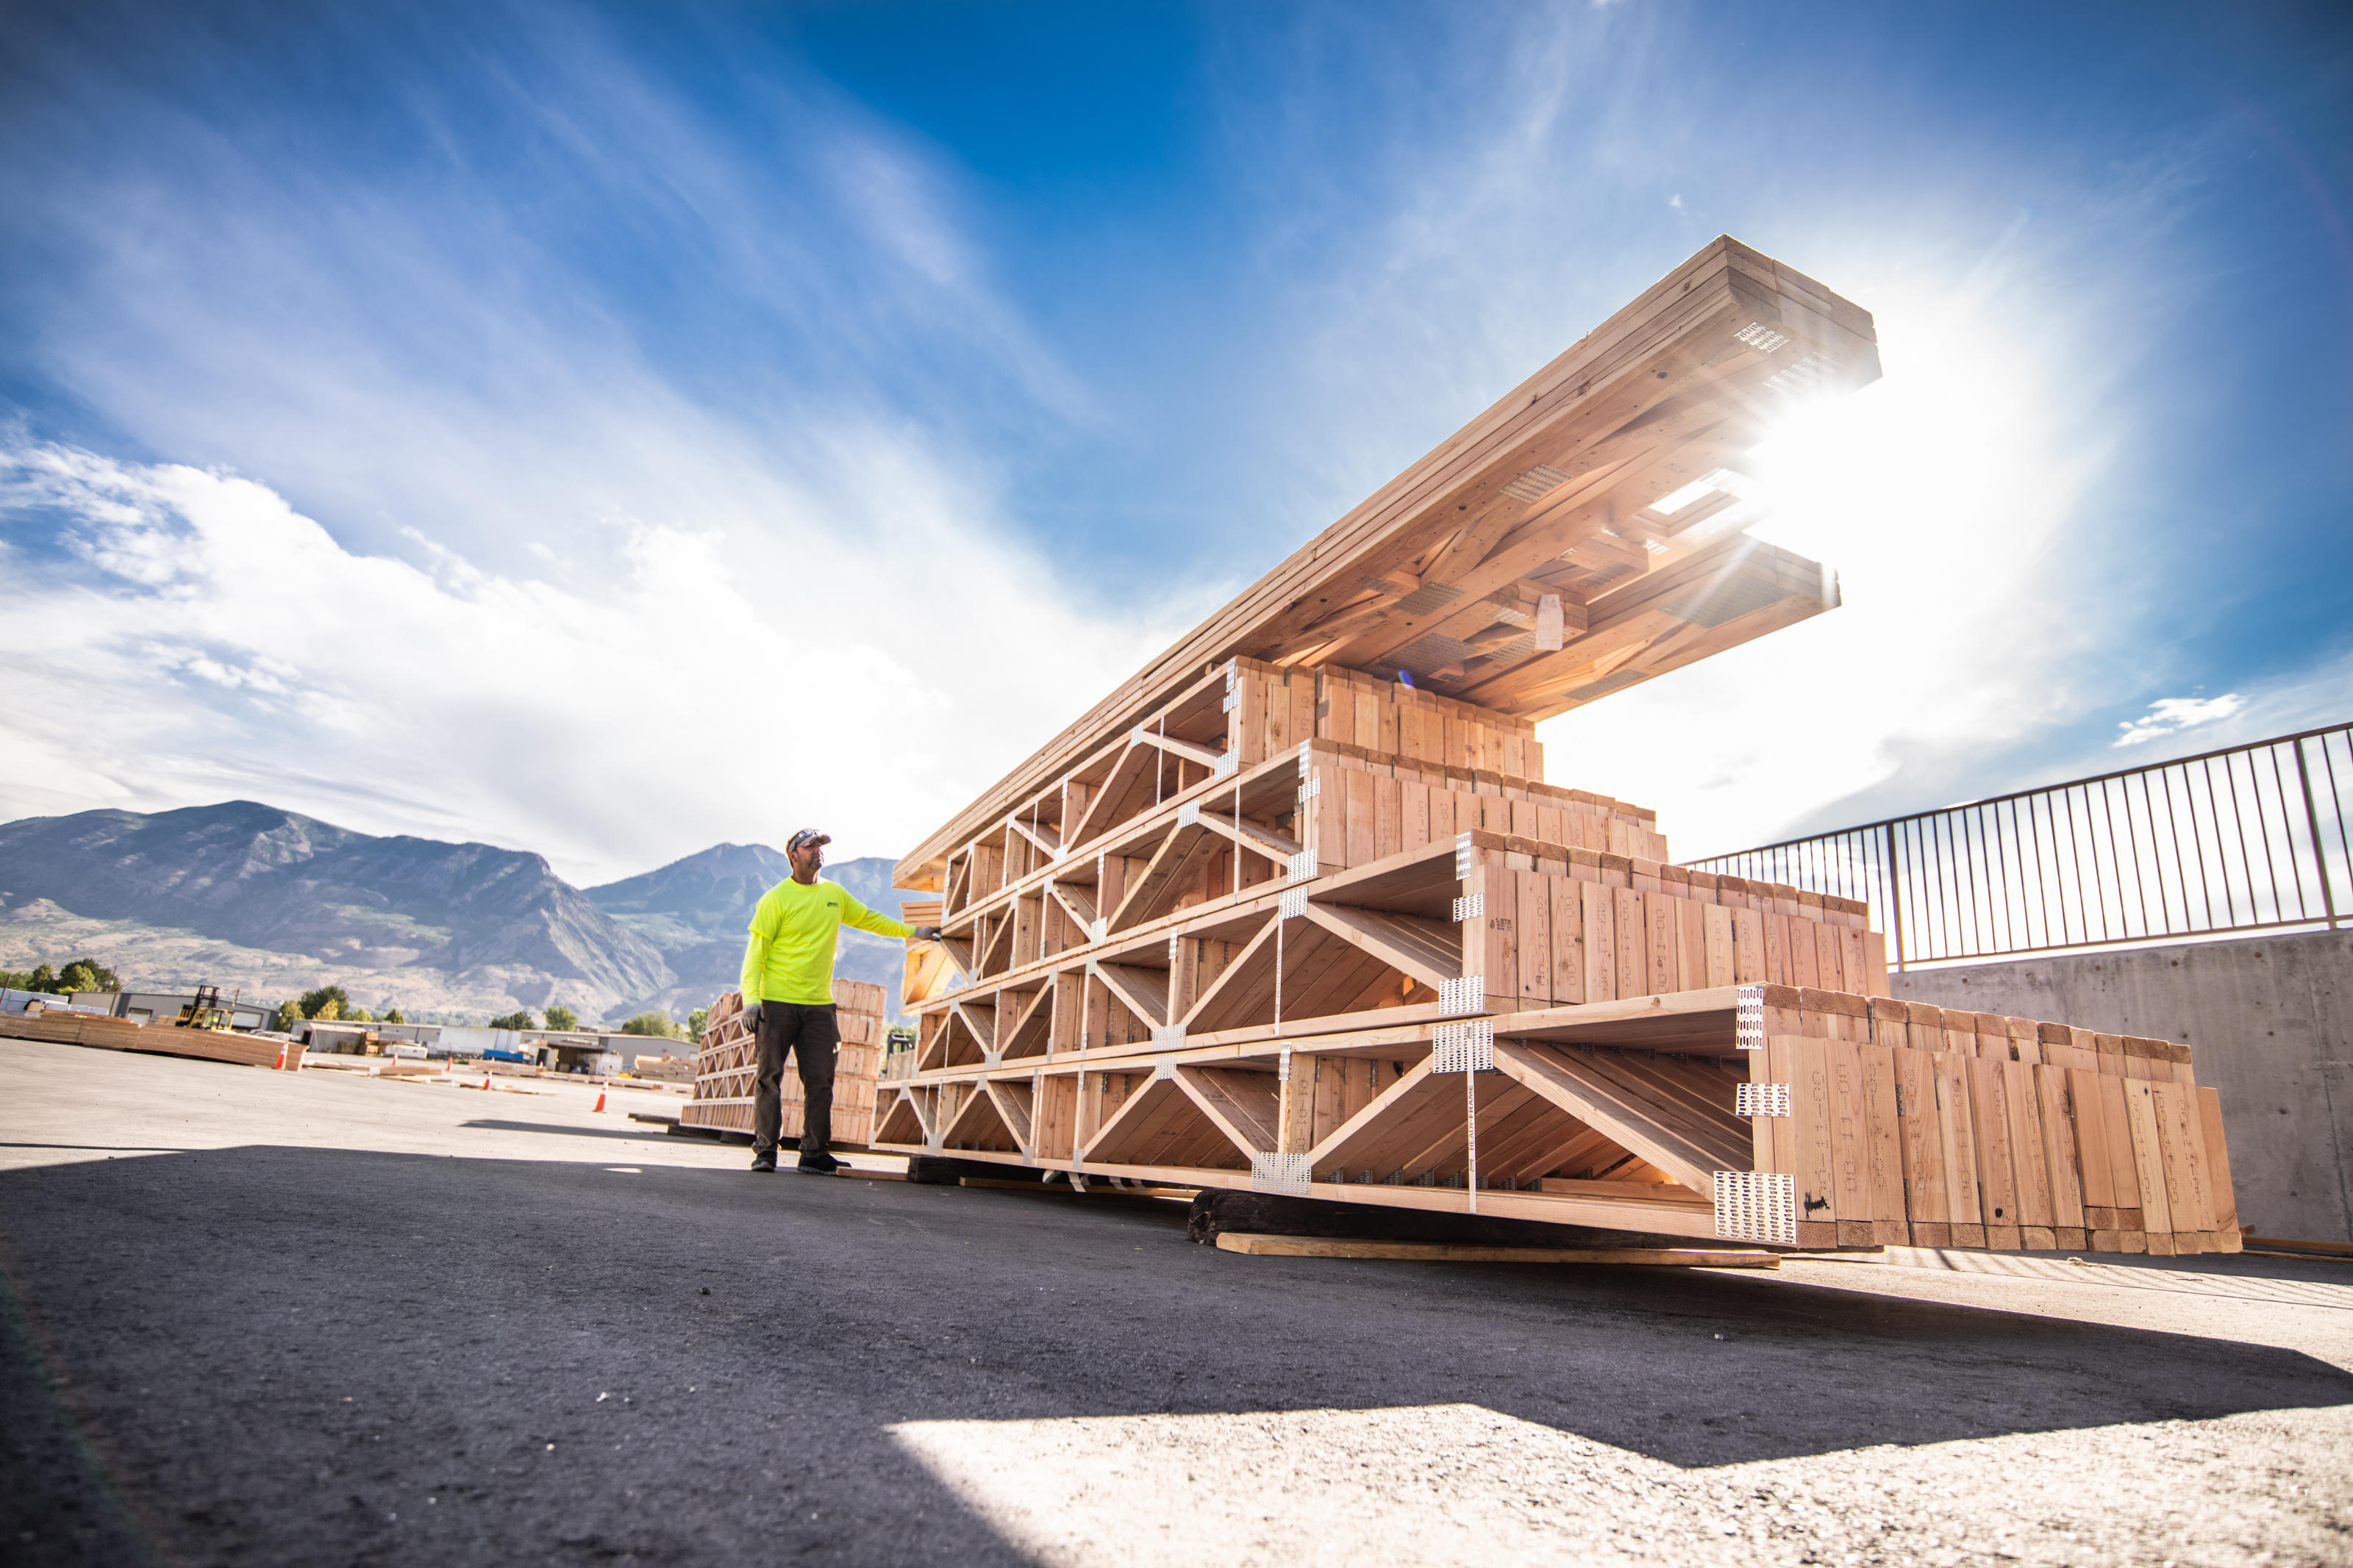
(262, 1317)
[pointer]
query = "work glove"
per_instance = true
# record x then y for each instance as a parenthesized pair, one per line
(751, 1016)
(925, 933)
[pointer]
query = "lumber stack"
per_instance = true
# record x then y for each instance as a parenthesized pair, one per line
(728, 1061)
(1549, 553)
(71, 1029)
(1919, 1125)
(1296, 909)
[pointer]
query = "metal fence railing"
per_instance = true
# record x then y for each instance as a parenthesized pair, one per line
(2249, 838)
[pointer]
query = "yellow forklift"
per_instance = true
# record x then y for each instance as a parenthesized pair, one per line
(206, 1012)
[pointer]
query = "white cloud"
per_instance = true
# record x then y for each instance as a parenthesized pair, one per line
(2168, 715)
(197, 638)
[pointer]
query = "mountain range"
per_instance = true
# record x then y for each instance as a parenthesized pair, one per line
(269, 902)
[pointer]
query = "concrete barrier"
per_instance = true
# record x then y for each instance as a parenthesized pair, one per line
(2271, 1020)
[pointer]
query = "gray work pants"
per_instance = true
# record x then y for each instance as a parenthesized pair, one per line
(811, 1033)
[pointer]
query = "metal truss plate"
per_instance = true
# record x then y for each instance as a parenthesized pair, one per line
(1761, 338)
(1189, 814)
(1282, 1065)
(1761, 1100)
(1301, 867)
(1804, 376)
(1463, 1047)
(1464, 863)
(1311, 790)
(1536, 483)
(1757, 1206)
(1231, 700)
(1471, 909)
(1467, 995)
(1225, 764)
(1163, 1071)
(1100, 929)
(1292, 904)
(1748, 1018)
(1291, 1174)
(1167, 1036)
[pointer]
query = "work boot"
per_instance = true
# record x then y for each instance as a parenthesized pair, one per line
(767, 1162)
(820, 1165)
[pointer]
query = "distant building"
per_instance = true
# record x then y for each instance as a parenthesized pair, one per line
(13, 1001)
(163, 1007)
(589, 1051)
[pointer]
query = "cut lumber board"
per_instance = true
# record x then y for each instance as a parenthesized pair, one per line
(1444, 1252)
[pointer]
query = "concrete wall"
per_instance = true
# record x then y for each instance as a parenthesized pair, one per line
(2271, 1020)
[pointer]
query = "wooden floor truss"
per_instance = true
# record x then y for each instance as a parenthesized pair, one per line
(1295, 909)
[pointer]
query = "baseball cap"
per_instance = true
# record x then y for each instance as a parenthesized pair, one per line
(804, 839)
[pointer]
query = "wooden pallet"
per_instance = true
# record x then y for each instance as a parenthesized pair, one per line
(1286, 921)
(727, 1063)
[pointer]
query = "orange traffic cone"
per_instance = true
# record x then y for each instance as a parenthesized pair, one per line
(600, 1101)
(281, 1056)
(486, 1082)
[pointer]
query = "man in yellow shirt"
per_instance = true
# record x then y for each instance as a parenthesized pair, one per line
(788, 997)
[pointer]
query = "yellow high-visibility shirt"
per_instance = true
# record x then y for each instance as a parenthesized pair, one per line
(795, 926)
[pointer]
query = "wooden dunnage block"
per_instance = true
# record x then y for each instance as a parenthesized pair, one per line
(2037, 1214)
(1533, 946)
(2181, 1137)
(1850, 1147)
(1925, 1204)
(2089, 1125)
(1883, 1131)
(1997, 1177)
(2059, 1158)
(1804, 1063)
(2217, 1167)
(1957, 1143)
(1567, 898)
(2148, 1167)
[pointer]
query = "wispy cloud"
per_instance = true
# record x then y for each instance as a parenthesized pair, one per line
(2170, 715)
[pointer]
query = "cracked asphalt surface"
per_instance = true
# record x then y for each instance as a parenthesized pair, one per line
(261, 1317)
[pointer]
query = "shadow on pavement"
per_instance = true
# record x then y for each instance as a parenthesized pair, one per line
(295, 1356)
(642, 1134)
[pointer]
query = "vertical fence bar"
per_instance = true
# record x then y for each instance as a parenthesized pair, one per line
(2312, 816)
(1896, 902)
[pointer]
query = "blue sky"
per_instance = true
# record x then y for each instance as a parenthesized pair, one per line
(609, 430)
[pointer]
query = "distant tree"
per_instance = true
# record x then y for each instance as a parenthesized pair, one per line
(559, 1016)
(88, 974)
(357, 1016)
(43, 978)
(394, 1015)
(313, 1002)
(655, 1025)
(513, 1021)
(694, 1023)
(290, 1013)
(329, 1010)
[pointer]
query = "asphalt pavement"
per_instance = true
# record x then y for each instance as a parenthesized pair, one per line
(260, 1318)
